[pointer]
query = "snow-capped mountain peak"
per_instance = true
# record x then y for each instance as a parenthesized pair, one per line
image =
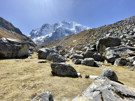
(56, 31)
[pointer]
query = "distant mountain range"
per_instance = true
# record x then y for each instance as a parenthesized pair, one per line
(124, 29)
(8, 30)
(56, 31)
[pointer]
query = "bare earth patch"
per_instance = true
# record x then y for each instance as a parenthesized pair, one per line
(21, 80)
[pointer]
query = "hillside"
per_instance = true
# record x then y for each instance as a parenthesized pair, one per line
(124, 29)
(8, 30)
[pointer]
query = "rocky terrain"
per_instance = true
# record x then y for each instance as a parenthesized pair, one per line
(102, 59)
(56, 31)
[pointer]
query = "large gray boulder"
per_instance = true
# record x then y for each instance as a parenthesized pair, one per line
(104, 89)
(13, 48)
(102, 44)
(44, 52)
(88, 62)
(120, 62)
(55, 57)
(110, 74)
(45, 96)
(63, 69)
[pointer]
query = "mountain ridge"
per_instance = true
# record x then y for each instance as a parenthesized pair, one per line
(124, 28)
(47, 32)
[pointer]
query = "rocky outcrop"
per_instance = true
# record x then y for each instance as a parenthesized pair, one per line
(107, 42)
(45, 96)
(13, 48)
(103, 89)
(63, 69)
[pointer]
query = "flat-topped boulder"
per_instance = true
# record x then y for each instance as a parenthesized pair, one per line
(13, 48)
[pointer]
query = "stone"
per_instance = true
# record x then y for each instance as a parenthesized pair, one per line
(76, 61)
(98, 57)
(110, 74)
(55, 57)
(110, 55)
(86, 76)
(63, 69)
(103, 89)
(42, 61)
(88, 53)
(76, 56)
(103, 43)
(88, 62)
(45, 96)
(79, 75)
(13, 48)
(44, 52)
(120, 62)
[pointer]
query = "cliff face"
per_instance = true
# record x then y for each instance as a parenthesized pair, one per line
(8, 30)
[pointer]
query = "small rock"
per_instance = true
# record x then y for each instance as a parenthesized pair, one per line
(86, 76)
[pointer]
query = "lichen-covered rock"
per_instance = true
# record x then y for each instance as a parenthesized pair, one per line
(63, 69)
(103, 89)
(76, 56)
(13, 48)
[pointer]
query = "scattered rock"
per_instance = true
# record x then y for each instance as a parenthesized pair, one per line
(44, 52)
(63, 69)
(76, 61)
(76, 56)
(55, 57)
(86, 76)
(45, 96)
(88, 62)
(120, 62)
(110, 74)
(79, 75)
(42, 61)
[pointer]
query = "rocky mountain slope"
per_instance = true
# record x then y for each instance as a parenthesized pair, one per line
(8, 30)
(125, 30)
(56, 31)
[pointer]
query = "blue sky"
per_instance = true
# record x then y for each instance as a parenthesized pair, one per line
(31, 14)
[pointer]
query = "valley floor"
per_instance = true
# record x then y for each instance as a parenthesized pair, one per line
(23, 79)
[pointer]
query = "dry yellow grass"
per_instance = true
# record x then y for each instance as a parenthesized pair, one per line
(24, 79)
